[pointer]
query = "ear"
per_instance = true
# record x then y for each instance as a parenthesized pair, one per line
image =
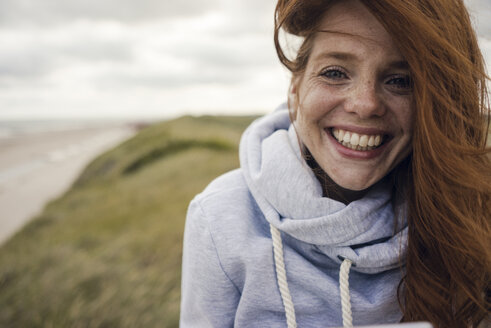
(293, 100)
(294, 83)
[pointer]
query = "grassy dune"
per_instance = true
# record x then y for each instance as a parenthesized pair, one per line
(108, 252)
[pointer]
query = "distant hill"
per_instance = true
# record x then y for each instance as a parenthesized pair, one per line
(108, 252)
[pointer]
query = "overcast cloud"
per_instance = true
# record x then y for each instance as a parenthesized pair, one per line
(42, 12)
(147, 58)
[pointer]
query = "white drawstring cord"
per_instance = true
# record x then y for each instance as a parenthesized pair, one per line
(291, 321)
(285, 291)
(344, 291)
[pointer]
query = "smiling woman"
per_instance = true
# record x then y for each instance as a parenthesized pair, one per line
(366, 199)
(353, 107)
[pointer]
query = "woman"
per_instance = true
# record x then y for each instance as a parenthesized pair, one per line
(367, 200)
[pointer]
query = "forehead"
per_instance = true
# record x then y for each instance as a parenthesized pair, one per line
(349, 22)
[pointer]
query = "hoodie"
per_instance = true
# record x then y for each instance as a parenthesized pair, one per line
(264, 248)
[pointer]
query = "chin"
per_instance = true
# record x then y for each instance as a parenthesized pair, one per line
(355, 183)
(355, 186)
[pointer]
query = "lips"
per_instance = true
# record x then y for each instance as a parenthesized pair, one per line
(358, 141)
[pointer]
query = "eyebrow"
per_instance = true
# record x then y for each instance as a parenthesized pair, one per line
(401, 64)
(336, 55)
(345, 56)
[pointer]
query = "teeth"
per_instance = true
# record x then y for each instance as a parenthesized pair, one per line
(371, 141)
(378, 140)
(347, 137)
(355, 141)
(363, 140)
(340, 136)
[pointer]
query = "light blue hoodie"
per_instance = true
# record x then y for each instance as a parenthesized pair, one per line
(229, 275)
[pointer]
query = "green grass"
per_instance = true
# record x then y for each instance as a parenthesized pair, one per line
(108, 252)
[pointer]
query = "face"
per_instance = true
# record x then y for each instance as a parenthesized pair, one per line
(353, 105)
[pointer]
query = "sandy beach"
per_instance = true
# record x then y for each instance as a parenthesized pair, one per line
(39, 166)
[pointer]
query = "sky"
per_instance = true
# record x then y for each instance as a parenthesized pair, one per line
(127, 59)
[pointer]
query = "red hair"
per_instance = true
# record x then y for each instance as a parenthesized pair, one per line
(447, 178)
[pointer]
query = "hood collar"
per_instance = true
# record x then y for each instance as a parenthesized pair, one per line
(291, 198)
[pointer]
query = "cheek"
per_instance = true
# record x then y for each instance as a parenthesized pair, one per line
(309, 115)
(407, 119)
(310, 134)
(313, 108)
(304, 127)
(404, 114)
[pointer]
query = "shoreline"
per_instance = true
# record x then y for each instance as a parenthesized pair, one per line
(38, 167)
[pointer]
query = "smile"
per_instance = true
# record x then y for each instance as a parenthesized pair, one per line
(355, 141)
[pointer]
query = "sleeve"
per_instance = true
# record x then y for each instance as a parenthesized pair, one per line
(208, 296)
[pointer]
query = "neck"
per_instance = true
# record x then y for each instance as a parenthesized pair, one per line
(331, 189)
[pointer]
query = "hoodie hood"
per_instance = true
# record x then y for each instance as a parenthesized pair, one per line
(291, 199)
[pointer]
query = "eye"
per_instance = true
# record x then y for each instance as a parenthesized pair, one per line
(334, 74)
(402, 83)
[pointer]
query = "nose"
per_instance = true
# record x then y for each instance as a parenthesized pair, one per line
(364, 100)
